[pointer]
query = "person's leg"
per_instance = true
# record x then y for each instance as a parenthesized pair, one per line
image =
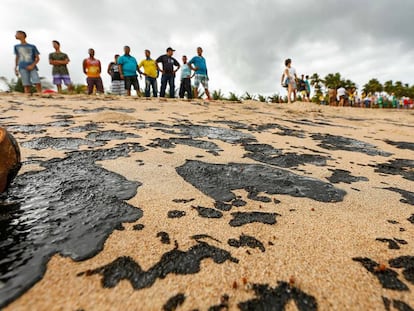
(128, 85)
(289, 93)
(205, 85)
(182, 89)
(68, 82)
(89, 82)
(147, 86)
(188, 88)
(154, 86)
(172, 86)
(35, 79)
(196, 85)
(135, 83)
(99, 85)
(163, 85)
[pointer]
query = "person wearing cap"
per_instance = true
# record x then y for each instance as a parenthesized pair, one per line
(169, 67)
(150, 73)
(128, 68)
(198, 64)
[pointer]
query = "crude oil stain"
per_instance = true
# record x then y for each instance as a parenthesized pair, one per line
(174, 302)
(401, 144)
(59, 143)
(402, 167)
(344, 176)
(240, 218)
(246, 240)
(333, 142)
(173, 262)
(176, 214)
(164, 236)
(219, 180)
(110, 135)
(408, 197)
(269, 298)
(69, 208)
(206, 212)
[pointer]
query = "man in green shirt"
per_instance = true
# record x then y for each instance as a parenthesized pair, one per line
(60, 71)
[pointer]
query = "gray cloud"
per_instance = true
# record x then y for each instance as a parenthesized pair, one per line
(245, 41)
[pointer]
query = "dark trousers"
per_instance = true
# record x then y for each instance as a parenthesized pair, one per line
(170, 80)
(95, 82)
(186, 87)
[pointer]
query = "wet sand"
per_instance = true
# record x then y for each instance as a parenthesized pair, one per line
(134, 204)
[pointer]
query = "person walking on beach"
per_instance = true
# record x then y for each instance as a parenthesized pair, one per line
(290, 75)
(60, 72)
(128, 68)
(150, 73)
(185, 85)
(92, 69)
(198, 64)
(168, 71)
(27, 58)
(117, 84)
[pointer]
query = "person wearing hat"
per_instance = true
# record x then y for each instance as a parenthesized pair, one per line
(169, 67)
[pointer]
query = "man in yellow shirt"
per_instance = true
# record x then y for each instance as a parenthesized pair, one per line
(150, 73)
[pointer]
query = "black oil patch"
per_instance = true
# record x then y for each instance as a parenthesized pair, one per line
(411, 219)
(284, 131)
(211, 132)
(224, 304)
(176, 214)
(59, 143)
(401, 305)
(174, 302)
(91, 126)
(69, 208)
(206, 212)
(110, 135)
(408, 197)
(218, 181)
(243, 218)
(400, 144)
(344, 176)
(172, 142)
(392, 243)
(183, 200)
(246, 240)
(138, 227)
(387, 277)
(100, 109)
(402, 167)
(225, 207)
(204, 236)
(173, 262)
(277, 298)
(267, 154)
(406, 263)
(333, 142)
(27, 129)
(164, 236)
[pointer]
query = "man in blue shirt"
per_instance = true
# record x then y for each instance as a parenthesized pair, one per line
(27, 57)
(128, 68)
(198, 64)
(185, 79)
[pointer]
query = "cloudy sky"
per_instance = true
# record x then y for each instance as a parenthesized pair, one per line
(245, 42)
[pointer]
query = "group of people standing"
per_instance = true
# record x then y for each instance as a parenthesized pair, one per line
(124, 71)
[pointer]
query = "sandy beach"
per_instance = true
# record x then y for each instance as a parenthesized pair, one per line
(155, 204)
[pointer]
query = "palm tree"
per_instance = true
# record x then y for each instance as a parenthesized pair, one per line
(317, 83)
(373, 86)
(389, 87)
(333, 81)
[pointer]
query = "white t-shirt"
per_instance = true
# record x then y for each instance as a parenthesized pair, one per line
(340, 92)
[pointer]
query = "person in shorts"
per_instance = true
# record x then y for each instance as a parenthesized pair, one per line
(117, 84)
(27, 58)
(198, 64)
(92, 69)
(128, 68)
(60, 70)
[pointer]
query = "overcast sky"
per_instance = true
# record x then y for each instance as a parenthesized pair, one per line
(245, 42)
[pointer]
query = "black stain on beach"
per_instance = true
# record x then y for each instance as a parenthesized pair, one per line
(174, 302)
(387, 277)
(173, 262)
(164, 237)
(59, 143)
(402, 167)
(207, 212)
(408, 197)
(277, 298)
(401, 144)
(411, 219)
(407, 264)
(176, 214)
(211, 132)
(344, 176)
(91, 126)
(243, 218)
(267, 154)
(333, 142)
(246, 240)
(173, 142)
(69, 208)
(138, 227)
(219, 180)
(392, 243)
(110, 135)
(101, 109)
(32, 129)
